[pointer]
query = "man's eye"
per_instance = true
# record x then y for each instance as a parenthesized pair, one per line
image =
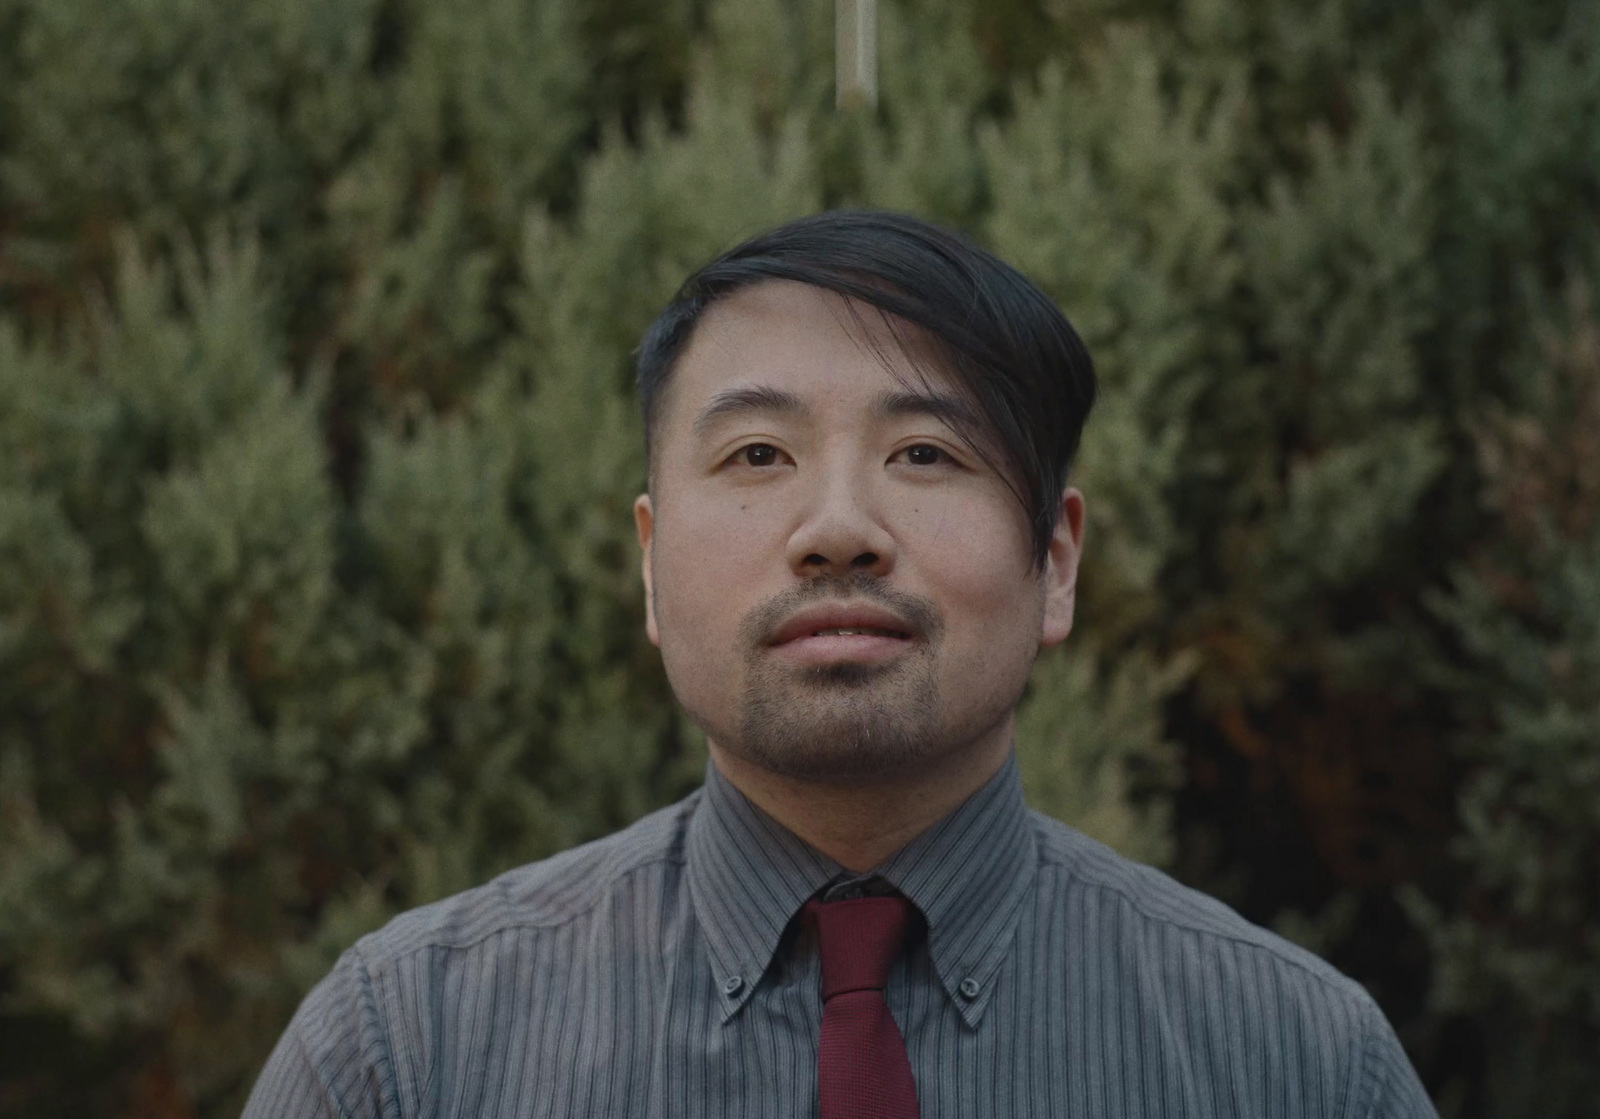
(758, 454)
(924, 454)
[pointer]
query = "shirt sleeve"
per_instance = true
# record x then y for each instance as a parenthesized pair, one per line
(1393, 1089)
(332, 1061)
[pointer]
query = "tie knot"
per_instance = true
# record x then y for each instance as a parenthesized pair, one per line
(860, 939)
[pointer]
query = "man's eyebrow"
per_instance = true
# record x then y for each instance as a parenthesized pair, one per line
(760, 398)
(952, 410)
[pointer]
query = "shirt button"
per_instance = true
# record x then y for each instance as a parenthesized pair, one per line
(732, 985)
(969, 988)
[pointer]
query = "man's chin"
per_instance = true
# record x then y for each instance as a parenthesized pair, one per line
(831, 765)
(847, 674)
(857, 738)
(845, 721)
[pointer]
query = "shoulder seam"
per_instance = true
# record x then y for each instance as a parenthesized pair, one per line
(1366, 1083)
(1348, 987)
(372, 996)
(532, 923)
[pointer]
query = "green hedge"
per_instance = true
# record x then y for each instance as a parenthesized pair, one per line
(318, 594)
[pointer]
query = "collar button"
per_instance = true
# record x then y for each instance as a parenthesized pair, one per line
(969, 988)
(732, 985)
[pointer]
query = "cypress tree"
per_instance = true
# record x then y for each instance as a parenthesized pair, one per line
(318, 590)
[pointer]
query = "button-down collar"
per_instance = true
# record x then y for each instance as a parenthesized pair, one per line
(968, 874)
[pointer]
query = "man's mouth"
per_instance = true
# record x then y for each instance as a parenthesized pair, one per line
(841, 621)
(844, 646)
(852, 629)
(859, 631)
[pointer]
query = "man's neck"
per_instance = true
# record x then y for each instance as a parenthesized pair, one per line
(862, 826)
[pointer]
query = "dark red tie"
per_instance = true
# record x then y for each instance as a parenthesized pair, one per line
(863, 1067)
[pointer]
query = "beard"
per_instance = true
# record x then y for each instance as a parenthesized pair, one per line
(845, 723)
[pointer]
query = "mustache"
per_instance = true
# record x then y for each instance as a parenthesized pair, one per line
(921, 616)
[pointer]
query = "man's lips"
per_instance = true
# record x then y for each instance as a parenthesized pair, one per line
(822, 619)
(829, 633)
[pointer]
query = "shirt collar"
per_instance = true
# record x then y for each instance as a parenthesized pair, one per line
(969, 874)
(748, 875)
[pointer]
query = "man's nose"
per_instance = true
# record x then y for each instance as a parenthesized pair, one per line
(843, 531)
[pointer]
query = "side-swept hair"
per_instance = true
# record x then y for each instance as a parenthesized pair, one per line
(1005, 342)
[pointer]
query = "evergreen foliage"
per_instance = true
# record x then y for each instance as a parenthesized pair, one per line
(318, 589)
(1523, 607)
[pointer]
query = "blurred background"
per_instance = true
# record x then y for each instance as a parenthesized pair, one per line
(318, 589)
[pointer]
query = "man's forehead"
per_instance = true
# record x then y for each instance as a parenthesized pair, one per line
(785, 347)
(942, 404)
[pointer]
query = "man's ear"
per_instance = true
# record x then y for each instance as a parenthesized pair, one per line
(1061, 569)
(644, 519)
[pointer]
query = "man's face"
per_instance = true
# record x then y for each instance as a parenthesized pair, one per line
(842, 590)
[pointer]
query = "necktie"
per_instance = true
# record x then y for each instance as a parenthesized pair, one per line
(862, 1066)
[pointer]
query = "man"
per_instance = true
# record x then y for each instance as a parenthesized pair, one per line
(856, 539)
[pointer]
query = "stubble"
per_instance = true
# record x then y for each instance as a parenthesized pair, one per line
(845, 723)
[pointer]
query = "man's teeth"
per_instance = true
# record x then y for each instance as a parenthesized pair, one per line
(854, 631)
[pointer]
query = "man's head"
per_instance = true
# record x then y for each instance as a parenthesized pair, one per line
(858, 422)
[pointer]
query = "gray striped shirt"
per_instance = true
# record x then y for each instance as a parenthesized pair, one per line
(659, 972)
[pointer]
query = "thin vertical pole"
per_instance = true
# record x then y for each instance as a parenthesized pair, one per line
(855, 52)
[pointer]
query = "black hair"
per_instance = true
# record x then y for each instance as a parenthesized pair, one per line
(1005, 341)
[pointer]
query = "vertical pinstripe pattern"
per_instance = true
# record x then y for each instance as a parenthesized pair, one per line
(659, 973)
